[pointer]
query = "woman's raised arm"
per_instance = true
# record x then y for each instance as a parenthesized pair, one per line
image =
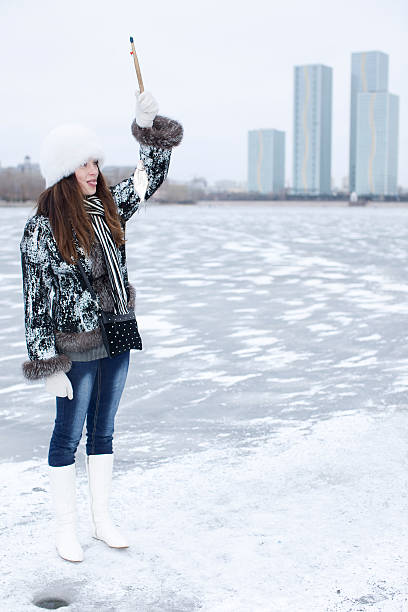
(156, 140)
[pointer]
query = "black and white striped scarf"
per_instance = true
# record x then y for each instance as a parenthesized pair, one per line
(94, 207)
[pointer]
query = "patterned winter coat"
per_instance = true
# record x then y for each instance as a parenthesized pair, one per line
(57, 307)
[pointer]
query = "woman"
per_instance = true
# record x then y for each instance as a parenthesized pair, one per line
(80, 219)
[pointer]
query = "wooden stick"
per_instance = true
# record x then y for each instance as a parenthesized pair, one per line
(137, 67)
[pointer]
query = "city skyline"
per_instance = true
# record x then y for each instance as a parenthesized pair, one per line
(369, 73)
(221, 77)
(374, 132)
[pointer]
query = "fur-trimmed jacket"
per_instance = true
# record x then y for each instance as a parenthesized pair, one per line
(59, 311)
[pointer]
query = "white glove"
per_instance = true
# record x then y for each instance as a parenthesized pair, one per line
(59, 384)
(140, 180)
(146, 109)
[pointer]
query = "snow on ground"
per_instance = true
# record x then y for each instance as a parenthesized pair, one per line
(305, 522)
(261, 442)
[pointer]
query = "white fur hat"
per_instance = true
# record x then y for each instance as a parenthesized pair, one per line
(65, 149)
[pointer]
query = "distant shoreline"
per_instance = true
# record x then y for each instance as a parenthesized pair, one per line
(299, 203)
(5, 204)
(262, 203)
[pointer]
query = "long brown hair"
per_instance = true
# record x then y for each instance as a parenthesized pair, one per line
(63, 204)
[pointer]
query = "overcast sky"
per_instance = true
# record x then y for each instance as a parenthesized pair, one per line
(221, 67)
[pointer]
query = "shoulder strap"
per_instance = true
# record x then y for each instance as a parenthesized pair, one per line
(86, 279)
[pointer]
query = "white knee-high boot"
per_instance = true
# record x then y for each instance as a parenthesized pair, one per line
(63, 493)
(99, 469)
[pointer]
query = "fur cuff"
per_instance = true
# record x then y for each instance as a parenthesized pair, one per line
(40, 368)
(165, 133)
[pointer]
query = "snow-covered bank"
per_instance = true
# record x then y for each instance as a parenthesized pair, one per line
(313, 520)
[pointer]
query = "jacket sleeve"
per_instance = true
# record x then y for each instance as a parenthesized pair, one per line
(156, 144)
(37, 290)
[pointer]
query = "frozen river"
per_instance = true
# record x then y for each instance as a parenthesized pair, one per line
(263, 427)
(251, 317)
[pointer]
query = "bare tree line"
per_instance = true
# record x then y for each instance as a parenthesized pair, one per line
(24, 183)
(20, 184)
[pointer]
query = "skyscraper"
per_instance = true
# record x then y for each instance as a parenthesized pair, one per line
(373, 126)
(377, 144)
(266, 161)
(312, 130)
(369, 72)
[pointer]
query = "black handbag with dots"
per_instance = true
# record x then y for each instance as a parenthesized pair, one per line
(119, 331)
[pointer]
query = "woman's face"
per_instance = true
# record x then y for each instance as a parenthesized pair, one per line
(87, 176)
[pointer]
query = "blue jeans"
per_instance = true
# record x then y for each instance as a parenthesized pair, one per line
(97, 388)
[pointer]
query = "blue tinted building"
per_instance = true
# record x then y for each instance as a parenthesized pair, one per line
(312, 133)
(266, 161)
(369, 73)
(377, 144)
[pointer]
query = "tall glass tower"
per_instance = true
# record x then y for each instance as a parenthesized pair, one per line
(312, 130)
(377, 144)
(266, 161)
(369, 73)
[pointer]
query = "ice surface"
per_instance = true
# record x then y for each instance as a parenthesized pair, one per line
(261, 443)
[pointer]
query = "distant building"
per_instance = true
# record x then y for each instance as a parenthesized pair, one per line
(116, 174)
(377, 144)
(345, 184)
(369, 73)
(28, 166)
(312, 130)
(229, 186)
(266, 161)
(22, 182)
(200, 183)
